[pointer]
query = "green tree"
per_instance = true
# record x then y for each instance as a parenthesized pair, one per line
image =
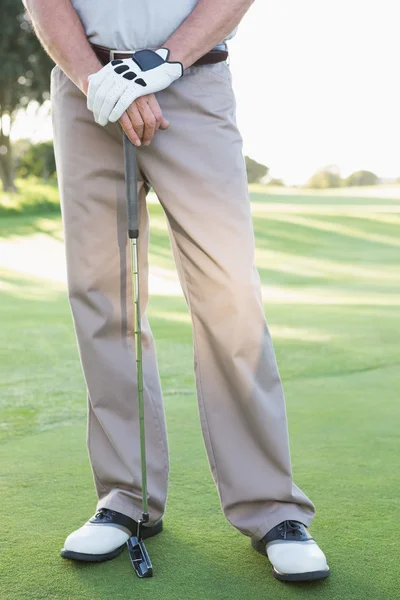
(276, 182)
(38, 160)
(328, 177)
(362, 178)
(255, 170)
(24, 76)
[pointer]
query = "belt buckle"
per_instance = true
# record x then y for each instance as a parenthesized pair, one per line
(113, 53)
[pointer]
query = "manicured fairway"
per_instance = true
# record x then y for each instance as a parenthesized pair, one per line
(330, 269)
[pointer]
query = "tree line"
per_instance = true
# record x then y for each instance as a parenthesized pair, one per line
(38, 160)
(328, 177)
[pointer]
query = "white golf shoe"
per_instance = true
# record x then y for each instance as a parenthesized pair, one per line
(104, 536)
(293, 553)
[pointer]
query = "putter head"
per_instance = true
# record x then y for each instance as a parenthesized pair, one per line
(139, 557)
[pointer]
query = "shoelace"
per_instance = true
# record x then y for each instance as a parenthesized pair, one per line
(290, 527)
(103, 513)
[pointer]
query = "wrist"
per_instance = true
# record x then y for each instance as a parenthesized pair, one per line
(185, 57)
(82, 80)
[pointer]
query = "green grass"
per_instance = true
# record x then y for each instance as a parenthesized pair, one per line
(329, 269)
(32, 197)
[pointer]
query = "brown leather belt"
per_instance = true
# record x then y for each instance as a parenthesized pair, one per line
(105, 55)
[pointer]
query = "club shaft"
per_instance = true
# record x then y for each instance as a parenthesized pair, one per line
(139, 367)
(132, 206)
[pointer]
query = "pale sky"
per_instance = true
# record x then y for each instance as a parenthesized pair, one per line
(317, 82)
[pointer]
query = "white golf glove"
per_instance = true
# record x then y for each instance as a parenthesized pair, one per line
(113, 88)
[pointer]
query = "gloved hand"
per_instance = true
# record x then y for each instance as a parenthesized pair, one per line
(113, 88)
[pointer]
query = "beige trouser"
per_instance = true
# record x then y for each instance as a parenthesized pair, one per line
(197, 170)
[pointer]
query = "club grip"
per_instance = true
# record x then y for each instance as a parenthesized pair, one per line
(132, 204)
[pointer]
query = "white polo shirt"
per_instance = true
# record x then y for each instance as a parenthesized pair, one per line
(132, 24)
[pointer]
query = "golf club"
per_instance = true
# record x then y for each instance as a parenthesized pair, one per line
(137, 551)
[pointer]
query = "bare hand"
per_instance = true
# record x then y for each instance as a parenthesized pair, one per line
(142, 119)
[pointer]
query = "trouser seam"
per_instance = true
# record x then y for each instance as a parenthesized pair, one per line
(108, 437)
(158, 428)
(97, 479)
(198, 361)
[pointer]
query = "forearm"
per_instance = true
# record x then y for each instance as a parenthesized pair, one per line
(210, 22)
(61, 33)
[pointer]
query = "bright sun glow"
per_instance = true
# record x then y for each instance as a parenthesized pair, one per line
(316, 83)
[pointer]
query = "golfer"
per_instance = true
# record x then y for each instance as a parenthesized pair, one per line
(158, 68)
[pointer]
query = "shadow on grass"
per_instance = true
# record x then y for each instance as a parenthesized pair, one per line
(41, 379)
(25, 224)
(299, 239)
(303, 196)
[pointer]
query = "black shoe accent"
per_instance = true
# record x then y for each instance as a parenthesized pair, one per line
(292, 531)
(107, 516)
(91, 557)
(312, 576)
